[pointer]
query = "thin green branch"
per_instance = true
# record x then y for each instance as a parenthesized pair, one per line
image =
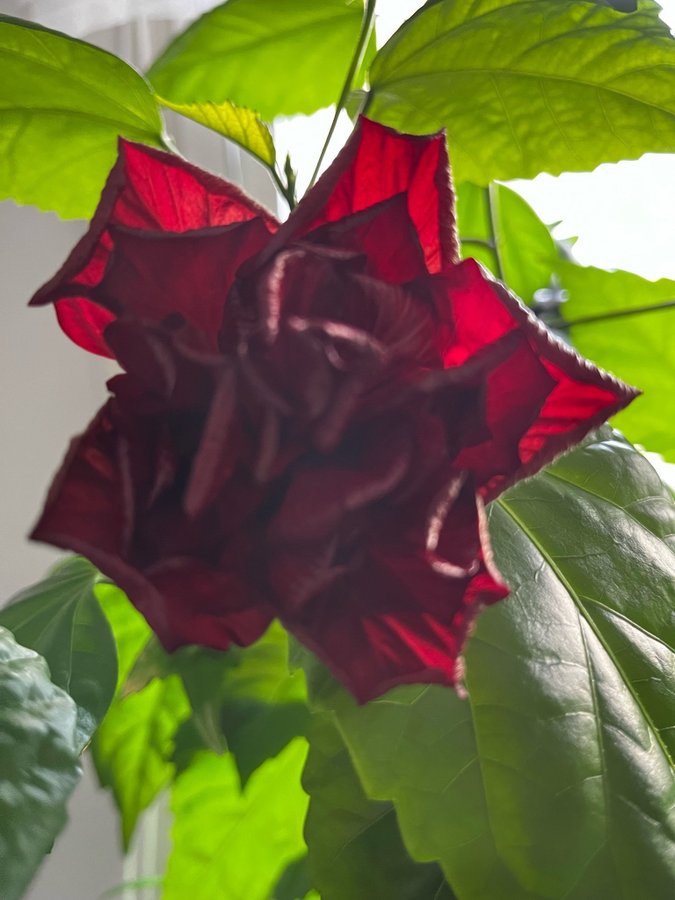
(286, 190)
(357, 59)
(563, 324)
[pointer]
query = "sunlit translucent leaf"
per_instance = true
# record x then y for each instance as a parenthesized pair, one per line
(237, 123)
(278, 58)
(39, 765)
(63, 105)
(638, 348)
(554, 779)
(355, 847)
(61, 620)
(245, 699)
(525, 86)
(130, 630)
(231, 844)
(134, 746)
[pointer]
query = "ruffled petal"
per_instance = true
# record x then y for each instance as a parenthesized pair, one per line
(154, 275)
(539, 400)
(385, 234)
(149, 190)
(376, 164)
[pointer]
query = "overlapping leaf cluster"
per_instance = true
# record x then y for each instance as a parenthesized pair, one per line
(554, 779)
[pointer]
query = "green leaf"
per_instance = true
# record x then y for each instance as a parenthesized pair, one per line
(276, 58)
(528, 255)
(63, 105)
(355, 847)
(61, 620)
(555, 778)
(129, 628)
(638, 348)
(295, 882)
(134, 746)
(39, 763)
(236, 123)
(234, 844)
(526, 86)
(246, 699)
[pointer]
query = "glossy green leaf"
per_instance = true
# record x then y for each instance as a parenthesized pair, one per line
(61, 620)
(527, 86)
(555, 778)
(39, 763)
(245, 699)
(638, 348)
(234, 844)
(236, 123)
(355, 847)
(133, 748)
(278, 57)
(63, 105)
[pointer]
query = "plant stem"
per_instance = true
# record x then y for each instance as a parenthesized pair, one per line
(285, 190)
(357, 59)
(492, 216)
(563, 324)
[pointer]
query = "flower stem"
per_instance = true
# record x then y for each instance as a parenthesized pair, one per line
(357, 59)
(564, 324)
(494, 228)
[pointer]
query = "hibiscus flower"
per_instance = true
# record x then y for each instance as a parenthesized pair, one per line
(311, 415)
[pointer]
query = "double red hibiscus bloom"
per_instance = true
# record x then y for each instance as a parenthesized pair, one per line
(311, 415)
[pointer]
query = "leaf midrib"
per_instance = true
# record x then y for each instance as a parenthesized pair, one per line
(492, 72)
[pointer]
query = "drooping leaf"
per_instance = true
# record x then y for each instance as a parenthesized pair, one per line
(237, 123)
(278, 58)
(229, 843)
(61, 620)
(63, 105)
(246, 699)
(527, 86)
(39, 763)
(133, 748)
(355, 847)
(639, 348)
(555, 778)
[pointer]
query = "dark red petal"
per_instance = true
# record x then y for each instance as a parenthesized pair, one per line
(376, 164)
(397, 620)
(154, 275)
(385, 233)
(319, 498)
(150, 190)
(88, 506)
(542, 399)
(201, 605)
